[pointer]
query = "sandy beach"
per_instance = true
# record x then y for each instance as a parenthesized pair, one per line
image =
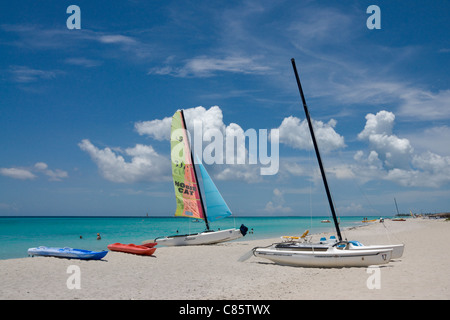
(214, 272)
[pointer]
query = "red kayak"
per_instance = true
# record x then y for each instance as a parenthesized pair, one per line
(132, 248)
(149, 244)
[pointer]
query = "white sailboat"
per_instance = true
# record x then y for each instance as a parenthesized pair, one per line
(190, 202)
(334, 253)
(325, 256)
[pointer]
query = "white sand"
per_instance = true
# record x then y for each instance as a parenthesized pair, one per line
(214, 272)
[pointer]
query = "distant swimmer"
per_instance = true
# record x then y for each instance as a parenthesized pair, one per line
(98, 236)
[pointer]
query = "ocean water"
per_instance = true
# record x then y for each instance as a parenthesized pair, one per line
(17, 234)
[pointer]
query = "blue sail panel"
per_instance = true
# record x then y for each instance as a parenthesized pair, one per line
(216, 207)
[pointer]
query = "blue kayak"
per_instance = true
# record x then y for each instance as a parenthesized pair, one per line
(67, 253)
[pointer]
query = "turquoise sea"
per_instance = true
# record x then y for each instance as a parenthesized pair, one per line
(17, 234)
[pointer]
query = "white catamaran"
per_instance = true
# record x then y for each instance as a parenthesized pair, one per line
(334, 253)
(190, 202)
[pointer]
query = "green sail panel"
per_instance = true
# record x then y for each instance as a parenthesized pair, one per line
(187, 193)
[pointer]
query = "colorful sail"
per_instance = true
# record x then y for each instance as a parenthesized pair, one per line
(187, 192)
(216, 206)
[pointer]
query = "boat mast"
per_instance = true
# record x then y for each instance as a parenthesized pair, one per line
(316, 148)
(398, 213)
(195, 172)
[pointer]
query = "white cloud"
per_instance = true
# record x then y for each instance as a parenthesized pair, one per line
(381, 123)
(243, 172)
(17, 173)
(204, 125)
(41, 166)
(38, 37)
(352, 208)
(434, 139)
(292, 132)
(54, 175)
(217, 143)
(393, 151)
(393, 158)
(236, 151)
(425, 105)
(83, 62)
(429, 170)
(211, 119)
(24, 74)
(27, 173)
(295, 133)
(277, 203)
(432, 162)
(204, 66)
(116, 38)
(323, 26)
(157, 129)
(145, 164)
(293, 168)
(342, 172)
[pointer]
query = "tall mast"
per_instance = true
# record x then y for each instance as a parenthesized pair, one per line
(195, 172)
(316, 148)
(396, 206)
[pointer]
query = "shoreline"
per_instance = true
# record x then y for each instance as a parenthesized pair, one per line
(214, 272)
(19, 234)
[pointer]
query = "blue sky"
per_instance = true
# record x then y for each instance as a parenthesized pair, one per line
(83, 112)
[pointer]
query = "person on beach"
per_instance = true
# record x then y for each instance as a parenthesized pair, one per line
(98, 236)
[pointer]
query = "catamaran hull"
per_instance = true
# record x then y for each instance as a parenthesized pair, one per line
(397, 249)
(332, 258)
(209, 237)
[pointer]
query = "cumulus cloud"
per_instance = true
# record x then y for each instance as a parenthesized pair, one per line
(145, 163)
(430, 170)
(342, 172)
(295, 133)
(27, 173)
(217, 143)
(394, 152)
(393, 158)
(54, 175)
(381, 123)
(388, 156)
(235, 147)
(210, 119)
(434, 139)
(157, 129)
(292, 131)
